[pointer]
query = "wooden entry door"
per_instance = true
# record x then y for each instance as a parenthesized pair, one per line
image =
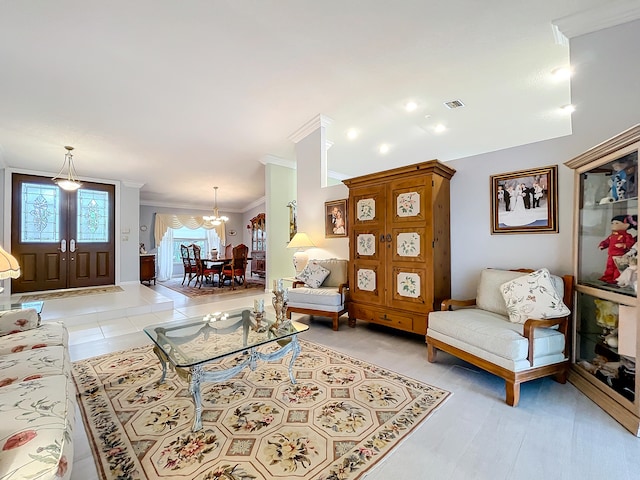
(62, 239)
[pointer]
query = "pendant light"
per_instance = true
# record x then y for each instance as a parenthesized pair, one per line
(215, 219)
(69, 183)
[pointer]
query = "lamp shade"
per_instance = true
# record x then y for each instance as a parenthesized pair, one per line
(9, 267)
(300, 240)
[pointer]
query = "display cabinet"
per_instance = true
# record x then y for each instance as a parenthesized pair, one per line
(605, 334)
(258, 245)
(148, 268)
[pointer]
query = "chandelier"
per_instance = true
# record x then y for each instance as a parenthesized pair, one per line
(70, 182)
(215, 219)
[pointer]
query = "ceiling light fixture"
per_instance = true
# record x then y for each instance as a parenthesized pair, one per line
(410, 106)
(384, 148)
(215, 219)
(352, 134)
(69, 183)
(439, 128)
(568, 108)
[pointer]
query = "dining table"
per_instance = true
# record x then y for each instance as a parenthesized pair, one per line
(218, 262)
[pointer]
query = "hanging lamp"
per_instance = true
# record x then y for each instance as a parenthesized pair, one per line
(215, 219)
(69, 183)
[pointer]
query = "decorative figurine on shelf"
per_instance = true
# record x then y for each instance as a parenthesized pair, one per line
(618, 181)
(279, 303)
(617, 244)
(143, 250)
(606, 316)
(628, 266)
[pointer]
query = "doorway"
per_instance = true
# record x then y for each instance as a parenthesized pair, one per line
(62, 239)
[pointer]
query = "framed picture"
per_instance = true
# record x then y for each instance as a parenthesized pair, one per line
(335, 218)
(525, 201)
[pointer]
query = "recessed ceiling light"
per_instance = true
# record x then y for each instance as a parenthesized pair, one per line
(568, 108)
(384, 148)
(427, 115)
(410, 106)
(439, 128)
(561, 73)
(352, 134)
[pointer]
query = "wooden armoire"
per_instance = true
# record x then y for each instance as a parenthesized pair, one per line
(399, 245)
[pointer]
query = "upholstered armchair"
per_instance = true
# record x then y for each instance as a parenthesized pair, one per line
(516, 327)
(321, 289)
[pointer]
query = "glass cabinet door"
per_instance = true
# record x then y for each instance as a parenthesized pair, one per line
(608, 229)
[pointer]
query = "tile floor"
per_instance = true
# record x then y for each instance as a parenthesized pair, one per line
(555, 432)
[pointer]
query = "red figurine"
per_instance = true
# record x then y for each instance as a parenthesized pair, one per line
(618, 243)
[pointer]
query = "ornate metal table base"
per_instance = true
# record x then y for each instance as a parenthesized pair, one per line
(196, 375)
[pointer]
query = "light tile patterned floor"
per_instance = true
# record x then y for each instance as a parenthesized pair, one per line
(554, 433)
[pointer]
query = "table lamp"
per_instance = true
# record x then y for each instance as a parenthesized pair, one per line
(300, 258)
(9, 267)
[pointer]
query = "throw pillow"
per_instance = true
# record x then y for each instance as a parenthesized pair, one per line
(533, 296)
(313, 274)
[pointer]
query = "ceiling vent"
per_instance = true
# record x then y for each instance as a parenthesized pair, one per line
(454, 104)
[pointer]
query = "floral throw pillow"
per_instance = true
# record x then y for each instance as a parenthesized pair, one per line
(533, 296)
(313, 274)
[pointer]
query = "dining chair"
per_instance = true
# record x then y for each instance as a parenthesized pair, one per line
(235, 270)
(203, 270)
(228, 251)
(189, 266)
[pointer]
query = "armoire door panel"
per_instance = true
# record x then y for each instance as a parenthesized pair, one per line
(366, 285)
(410, 201)
(409, 245)
(410, 289)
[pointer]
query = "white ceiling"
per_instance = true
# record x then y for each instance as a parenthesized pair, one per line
(182, 96)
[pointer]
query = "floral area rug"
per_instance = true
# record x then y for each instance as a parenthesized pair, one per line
(77, 292)
(254, 286)
(340, 418)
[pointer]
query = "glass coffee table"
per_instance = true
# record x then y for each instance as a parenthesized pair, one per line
(188, 345)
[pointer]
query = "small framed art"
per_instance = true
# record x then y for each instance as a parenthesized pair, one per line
(335, 219)
(525, 201)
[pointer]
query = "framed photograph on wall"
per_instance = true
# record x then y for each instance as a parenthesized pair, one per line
(335, 218)
(525, 201)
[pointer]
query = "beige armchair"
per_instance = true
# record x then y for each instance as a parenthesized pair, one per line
(515, 328)
(329, 299)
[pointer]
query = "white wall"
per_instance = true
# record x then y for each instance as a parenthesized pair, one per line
(129, 215)
(280, 189)
(311, 197)
(604, 90)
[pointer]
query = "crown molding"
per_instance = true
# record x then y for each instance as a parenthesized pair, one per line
(589, 21)
(309, 127)
(129, 184)
(272, 159)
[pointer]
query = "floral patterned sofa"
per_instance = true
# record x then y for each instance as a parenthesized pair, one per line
(515, 328)
(37, 403)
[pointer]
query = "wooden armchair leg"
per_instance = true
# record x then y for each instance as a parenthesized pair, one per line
(335, 322)
(352, 322)
(513, 393)
(561, 377)
(431, 353)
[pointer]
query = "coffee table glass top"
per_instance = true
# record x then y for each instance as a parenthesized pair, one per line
(198, 340)
(17, 305)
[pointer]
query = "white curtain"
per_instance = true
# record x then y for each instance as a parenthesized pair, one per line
(213, 240)
(166, 221)
(165, 256)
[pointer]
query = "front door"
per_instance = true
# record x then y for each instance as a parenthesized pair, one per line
(62, 239)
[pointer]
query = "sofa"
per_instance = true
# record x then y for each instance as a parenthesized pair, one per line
(37, 398)
(515, 328)
(322, 289)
